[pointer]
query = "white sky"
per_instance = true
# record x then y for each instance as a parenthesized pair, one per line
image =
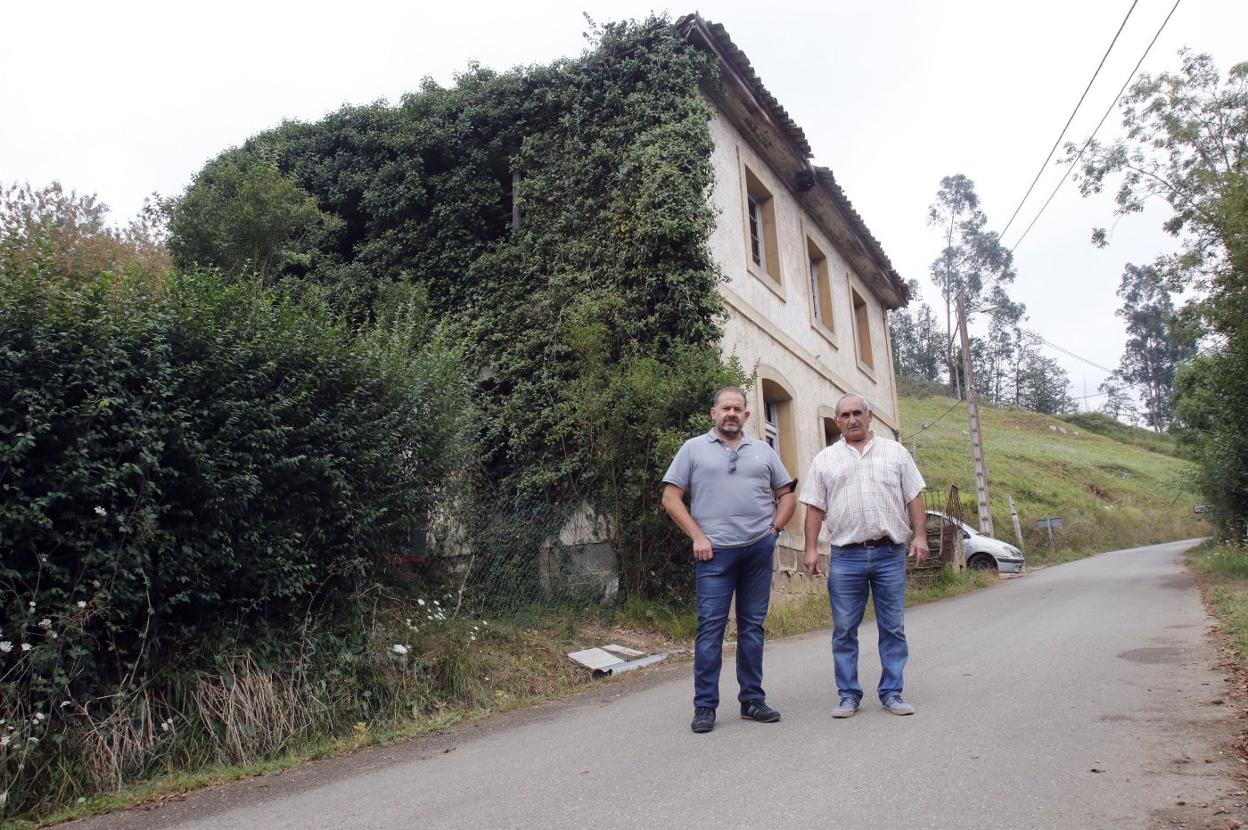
(125, 98)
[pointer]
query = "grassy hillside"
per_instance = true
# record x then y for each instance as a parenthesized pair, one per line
(1112, 492)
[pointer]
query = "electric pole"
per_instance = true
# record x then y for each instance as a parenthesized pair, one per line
(972, 411)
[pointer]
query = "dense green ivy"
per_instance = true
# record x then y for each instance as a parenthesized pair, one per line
(593, 325)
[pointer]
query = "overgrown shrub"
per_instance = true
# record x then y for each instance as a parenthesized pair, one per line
(197, 470)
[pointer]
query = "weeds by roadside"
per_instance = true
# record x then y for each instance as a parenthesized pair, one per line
(1224, 579)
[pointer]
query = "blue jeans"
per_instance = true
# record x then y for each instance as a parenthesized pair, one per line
(747, 571)
(851, 571)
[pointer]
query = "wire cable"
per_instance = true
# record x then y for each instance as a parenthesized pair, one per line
(1074, 162)
(926, 427)
(1045, 164)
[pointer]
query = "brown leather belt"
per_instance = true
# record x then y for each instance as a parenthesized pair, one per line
(873, 543)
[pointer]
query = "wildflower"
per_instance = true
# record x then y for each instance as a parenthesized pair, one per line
(52, 635)
(45, 623)
(82, 603)
(408, 621)
(4, 740)
(398, 648)
(5, 648)
(165, 725)
(39, 716)
(82, 799)
(26, 646)
(476, 628)
(473, 638)
(32, 605)
(420, 601)
(100, 511)
(65, 703)
(435, 602)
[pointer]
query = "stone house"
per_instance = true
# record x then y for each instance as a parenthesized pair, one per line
(808, 286)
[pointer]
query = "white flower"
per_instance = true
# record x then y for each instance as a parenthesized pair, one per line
(65, 703)
(408, 621)
(52, 634)
(32, 605)
(39, 716)
(165, 725)
(26, 646)
(420, 602)
(435, 602)
(5, 647)
(82, 603)
(476, 628)
(398, 648)
(45, 623)
(100, 511)
(4, 740)
(473, 638)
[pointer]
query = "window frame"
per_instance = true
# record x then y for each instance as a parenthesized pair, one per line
(822, 307)
(762, 235)
(863, 349)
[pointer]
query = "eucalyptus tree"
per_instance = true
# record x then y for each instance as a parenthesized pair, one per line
(972, 262)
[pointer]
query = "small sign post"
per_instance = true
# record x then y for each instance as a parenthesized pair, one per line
(1049, 524)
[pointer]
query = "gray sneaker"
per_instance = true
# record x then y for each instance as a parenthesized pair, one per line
(897, 706)
(846, 708)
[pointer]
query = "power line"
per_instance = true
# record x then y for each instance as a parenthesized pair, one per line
(926, 427)
(1074, 162)
(1045, 164)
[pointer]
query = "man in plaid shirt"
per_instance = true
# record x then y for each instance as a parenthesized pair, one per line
(868, 492)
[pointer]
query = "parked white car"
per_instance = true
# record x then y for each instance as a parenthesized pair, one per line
(982, 552)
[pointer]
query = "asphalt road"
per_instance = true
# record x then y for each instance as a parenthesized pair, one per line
(1086, 695)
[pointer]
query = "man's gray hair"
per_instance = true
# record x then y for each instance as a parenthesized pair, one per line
(722, 390)
(866, 404)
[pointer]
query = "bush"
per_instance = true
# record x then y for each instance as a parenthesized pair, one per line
(196, 470)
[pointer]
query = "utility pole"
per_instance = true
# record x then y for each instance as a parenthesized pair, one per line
(972, 411)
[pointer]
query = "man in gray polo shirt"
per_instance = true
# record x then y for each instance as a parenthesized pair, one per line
(741, 496)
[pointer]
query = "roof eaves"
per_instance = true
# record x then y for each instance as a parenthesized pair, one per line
(827, 182)
(715, 37)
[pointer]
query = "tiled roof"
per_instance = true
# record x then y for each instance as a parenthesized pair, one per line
(740, 64)
(828, 182)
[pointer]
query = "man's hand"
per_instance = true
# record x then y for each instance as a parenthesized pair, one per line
(702, 548)
(918, 549)
(811, 562)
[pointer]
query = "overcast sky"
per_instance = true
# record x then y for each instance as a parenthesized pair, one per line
(125, 98)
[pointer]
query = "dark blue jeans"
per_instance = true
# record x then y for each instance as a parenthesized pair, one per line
(747, 572)
(851, 572)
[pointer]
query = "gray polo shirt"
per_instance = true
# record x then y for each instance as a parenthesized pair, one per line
(732, 508)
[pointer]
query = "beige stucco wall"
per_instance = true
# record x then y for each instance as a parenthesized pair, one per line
(774, 325)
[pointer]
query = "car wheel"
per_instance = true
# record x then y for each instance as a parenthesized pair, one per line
(982, 562)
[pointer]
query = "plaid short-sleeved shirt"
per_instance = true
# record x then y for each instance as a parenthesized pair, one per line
(863, 493)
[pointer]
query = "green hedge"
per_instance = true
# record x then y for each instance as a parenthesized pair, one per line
(199, 468)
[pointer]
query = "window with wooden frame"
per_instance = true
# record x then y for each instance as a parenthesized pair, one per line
(760, 228)
(820, 290)
(778, 424)
(862, 329)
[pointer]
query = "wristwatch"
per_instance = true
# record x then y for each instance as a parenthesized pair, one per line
(775, 531)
